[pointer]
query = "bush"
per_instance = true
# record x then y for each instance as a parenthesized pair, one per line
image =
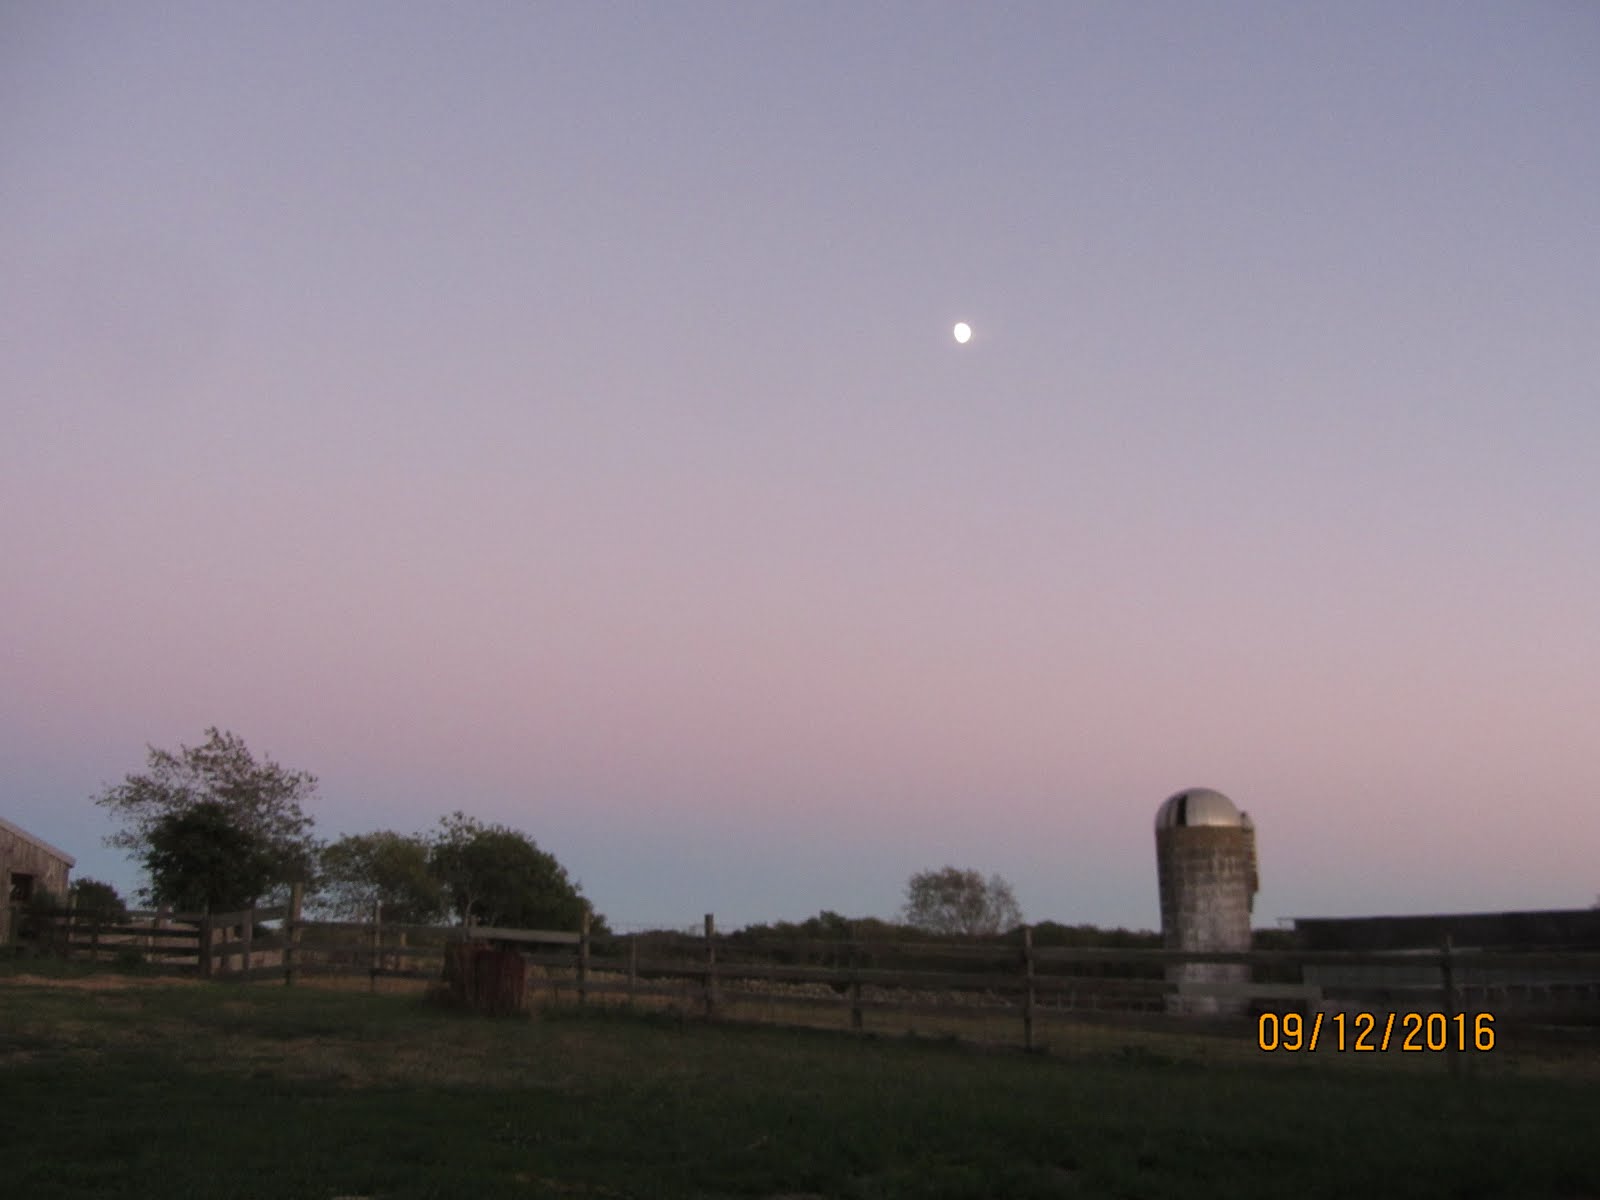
(93, 898)
(130, 960)
(44, 902)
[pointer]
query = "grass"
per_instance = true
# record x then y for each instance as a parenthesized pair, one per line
(216, 1090)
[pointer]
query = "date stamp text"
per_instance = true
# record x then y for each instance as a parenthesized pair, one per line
(1408, 1032)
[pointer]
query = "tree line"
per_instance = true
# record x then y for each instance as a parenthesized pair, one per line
(214, 827)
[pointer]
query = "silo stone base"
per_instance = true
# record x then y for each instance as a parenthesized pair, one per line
(1206, 876)
(1197, 1003)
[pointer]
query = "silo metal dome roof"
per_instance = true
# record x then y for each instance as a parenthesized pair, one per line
(1198, 806)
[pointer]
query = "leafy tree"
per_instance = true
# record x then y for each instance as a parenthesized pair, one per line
(261, 799)
(388, 868)
(202, 858)
(101, 899)
(498, 876)
(830, 926)
(826, 927)
(955, 901)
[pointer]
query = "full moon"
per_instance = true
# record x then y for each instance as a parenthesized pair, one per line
(963, 332)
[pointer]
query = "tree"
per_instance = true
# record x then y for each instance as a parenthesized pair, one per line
(259, 798)
(388, 868)
(101, 899)
(498, 876)
(955, 901)
(202, 858)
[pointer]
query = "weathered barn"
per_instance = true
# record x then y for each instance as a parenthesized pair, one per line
(1545, 937)
(29, 868)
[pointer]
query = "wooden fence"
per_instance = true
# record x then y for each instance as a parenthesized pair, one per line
(250, 944)
(1016, 984)
(717, 975)
(207, 944)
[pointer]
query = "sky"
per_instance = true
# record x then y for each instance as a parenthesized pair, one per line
(550, 411)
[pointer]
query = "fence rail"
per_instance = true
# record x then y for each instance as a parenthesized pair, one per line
(1026, 984)
(717, 974)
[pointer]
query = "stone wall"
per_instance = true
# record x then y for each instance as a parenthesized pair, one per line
(1206, 874)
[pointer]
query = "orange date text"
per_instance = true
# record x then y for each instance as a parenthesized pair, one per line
(1369, 1032)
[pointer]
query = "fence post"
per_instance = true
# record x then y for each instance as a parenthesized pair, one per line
(291, 932)
(72, 919)
(377, 945)
(203, 960)
(247, 937)
(583, 958)
(1449, 980)
(711, 967)
(633, 969)
(856, 1022)
(1027, 985)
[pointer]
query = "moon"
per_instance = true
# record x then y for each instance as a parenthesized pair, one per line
(963, 332)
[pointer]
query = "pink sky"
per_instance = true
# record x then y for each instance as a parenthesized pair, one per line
(554, 415)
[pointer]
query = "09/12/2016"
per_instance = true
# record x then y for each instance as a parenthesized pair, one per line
(1419, 1032)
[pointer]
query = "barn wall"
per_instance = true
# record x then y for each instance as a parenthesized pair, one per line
(21, 856)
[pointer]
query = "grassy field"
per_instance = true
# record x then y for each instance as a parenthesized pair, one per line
(172, 1090)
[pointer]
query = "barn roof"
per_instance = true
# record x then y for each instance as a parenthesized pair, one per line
(8, 827)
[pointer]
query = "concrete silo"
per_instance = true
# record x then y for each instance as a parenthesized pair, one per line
(1206, 869)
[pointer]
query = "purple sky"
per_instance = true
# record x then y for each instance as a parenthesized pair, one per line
(550, 411)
